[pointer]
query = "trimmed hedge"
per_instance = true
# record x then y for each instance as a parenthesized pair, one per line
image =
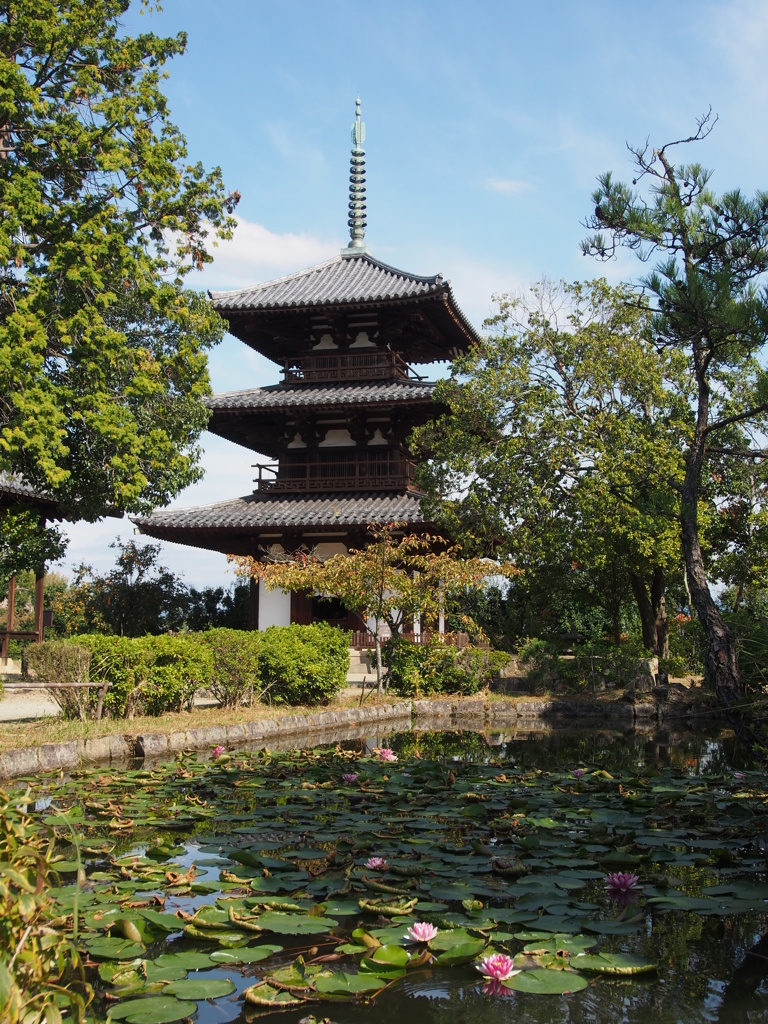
(303, 664)
(148, 675)
(153, 674)
(235, 680)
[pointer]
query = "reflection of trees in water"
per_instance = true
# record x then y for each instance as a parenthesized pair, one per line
(565, 747)
(741, 995)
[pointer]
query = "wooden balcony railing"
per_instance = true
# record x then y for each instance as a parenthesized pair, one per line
(362, 640)
(385, 471)
(347, 366)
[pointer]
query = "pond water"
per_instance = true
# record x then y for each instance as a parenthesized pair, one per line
(502, 844)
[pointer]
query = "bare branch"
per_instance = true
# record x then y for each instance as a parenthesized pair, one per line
(736, 418)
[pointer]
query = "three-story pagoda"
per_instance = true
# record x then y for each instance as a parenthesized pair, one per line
(347, 335)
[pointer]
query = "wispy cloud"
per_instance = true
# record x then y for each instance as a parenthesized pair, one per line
(509, 186)
(257, 254)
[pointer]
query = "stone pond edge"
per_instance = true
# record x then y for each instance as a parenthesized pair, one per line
(462, 713)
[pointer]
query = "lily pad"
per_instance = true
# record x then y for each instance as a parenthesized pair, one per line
(263, 994)
(245, 955)
(295, 924)
(189, 960)
(112, 948)
(461, 953)
(568, 944)
(152, 1010)
(341, 984)
(201, 988)
(612, 963)
(546, 982)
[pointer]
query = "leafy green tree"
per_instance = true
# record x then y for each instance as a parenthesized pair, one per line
(26, 542)
(394, 578)
(102, 351)
(137, 597)
(710, 309)
(561, 433)
(217, 607)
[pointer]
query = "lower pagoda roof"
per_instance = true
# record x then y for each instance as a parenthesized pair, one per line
(236, 527)
(312, 396)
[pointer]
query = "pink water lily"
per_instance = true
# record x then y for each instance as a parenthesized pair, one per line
(498, 967)
(376, 863)
(218, 751)
(349, 778)
(421, 931)
(386, 754)
(621, 881)
(621, 887)
(579, 773)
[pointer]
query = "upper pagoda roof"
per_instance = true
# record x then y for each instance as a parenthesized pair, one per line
(274, 317)
(340, 281)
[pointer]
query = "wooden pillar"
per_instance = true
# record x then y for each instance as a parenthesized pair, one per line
(301, 608)
(39, 600)
(11, 608)
(253, 604)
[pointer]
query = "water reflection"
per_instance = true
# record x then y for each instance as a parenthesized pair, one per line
(694, 753)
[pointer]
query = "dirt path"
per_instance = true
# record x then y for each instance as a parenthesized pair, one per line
(21, 706)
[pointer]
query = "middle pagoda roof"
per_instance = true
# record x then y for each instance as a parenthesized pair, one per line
(279, 318)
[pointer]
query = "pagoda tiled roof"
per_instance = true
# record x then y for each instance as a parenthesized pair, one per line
(233, 526)
(276, 317)
(341, 281)
(279, 396)
(256, 511)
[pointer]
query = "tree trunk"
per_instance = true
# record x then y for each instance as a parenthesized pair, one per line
(652, 608)
(721, 661)
(659, 603)
(378, 662)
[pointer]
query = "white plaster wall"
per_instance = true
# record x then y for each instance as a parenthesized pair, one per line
(337, 438)
(325, 342)
(363, 341)
(274, 607)
(384, 631)
(327, 549)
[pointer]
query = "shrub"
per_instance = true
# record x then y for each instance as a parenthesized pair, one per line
(176, 667)
(687, 645)
(438, 667)
(57, 661)
(602, 664)
(751, 632)
(303, 664)
(148, 675)
(235, 665)
(594, 665)
(118, 661)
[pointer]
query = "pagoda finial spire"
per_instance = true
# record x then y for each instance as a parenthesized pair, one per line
(357, 222)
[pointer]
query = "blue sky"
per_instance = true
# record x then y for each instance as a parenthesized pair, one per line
(486, 130)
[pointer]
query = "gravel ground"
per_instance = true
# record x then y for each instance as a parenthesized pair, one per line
(21, 706)
(18, 706)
